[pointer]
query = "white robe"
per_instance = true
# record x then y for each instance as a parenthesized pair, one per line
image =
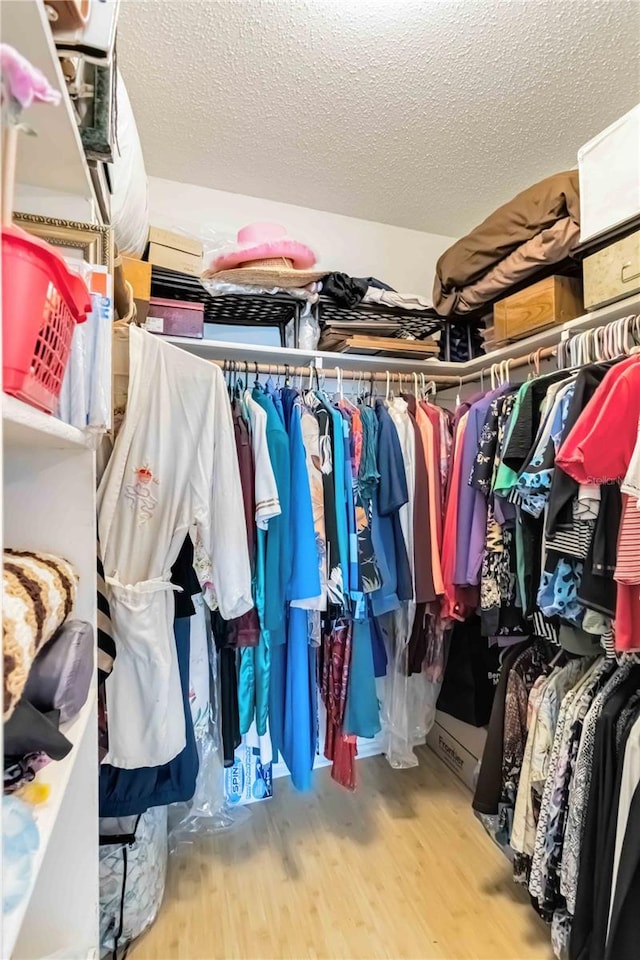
(174, 466)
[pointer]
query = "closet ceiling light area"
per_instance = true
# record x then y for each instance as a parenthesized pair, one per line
(423, 115)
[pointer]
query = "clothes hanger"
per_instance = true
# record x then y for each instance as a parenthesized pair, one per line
(628, 333)
(386, 396)
(239, 386)
(508, 369)
(556, 660)
(625, 335)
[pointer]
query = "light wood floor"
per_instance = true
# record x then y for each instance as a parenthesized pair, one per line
(399, 869)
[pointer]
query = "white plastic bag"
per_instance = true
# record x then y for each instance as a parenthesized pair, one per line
(132, 881)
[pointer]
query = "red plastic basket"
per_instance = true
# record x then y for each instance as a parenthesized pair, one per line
(42, 300)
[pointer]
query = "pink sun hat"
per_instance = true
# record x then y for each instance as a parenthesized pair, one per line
(265, 256)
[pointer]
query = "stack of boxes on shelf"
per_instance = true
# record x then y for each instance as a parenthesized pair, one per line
(609, 247)
(610, 212)
(182, 256)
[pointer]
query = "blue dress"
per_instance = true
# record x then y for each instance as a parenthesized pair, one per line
(292, 702)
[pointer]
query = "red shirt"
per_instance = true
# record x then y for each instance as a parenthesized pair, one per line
(599, 447)
(598, 450)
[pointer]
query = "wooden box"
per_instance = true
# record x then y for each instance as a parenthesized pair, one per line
(175, 318)
(546, 303)
(174, 251)
(613, 272)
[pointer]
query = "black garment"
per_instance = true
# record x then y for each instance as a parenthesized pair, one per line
(417, 650)
(523, 434)
(622, 942)
(345, 290)
(460, 340)
(589, 928)
(489, 785)
(229, 711)
(532, 536)
(183, 575)
(380, 284)
(349, 291)
(467, 690)
(598, 589)
(29, 731)
(483, 466)
(392, 495)
(564, 488)
(334, 584)
(517, 453)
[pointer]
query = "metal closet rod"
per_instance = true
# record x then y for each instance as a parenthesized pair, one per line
(529, 359)
(444, 381)
(329, 370)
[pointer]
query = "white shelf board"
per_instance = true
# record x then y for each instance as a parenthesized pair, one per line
(57, 775)
(24, 426)
(54, 159)
(221, 350)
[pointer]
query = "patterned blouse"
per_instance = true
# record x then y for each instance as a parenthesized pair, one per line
(580, 790)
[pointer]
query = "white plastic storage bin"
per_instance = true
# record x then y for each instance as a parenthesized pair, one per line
(609, 168)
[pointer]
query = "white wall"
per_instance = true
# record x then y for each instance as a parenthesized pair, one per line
(403, 258)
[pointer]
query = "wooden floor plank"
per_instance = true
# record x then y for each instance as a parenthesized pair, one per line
(398, 870)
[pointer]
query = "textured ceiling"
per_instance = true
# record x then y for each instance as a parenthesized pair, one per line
(421, 113)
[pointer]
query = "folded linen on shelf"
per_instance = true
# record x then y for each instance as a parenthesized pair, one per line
(507, 228)
(549, 246)
(389, 298)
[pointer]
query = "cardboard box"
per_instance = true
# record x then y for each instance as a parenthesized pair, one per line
(138, 274)
(612, 273)
(174, 251)
(248, 781)
(454, 754)
(175, 318)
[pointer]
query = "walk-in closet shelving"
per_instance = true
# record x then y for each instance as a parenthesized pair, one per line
(54, 160)
(49, 504)
(438, 370)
